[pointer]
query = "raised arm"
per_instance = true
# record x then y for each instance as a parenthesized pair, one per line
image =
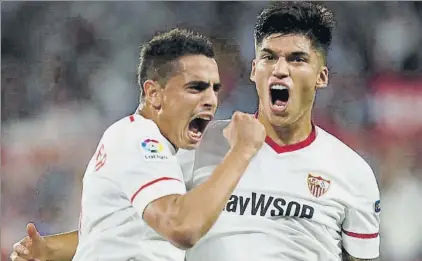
(184, 219)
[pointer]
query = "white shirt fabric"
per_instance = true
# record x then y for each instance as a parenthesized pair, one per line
(305, 201)
(133, 165)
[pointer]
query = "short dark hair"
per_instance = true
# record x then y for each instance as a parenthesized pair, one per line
(157, 55)
(310, 19)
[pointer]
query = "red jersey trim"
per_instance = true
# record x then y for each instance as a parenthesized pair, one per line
(149, 184)
(362, 236)
(291, 147)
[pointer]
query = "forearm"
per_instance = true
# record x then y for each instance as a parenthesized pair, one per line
(62, 247)
(199, 208)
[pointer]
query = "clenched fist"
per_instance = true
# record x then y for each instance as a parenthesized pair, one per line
(245, 132)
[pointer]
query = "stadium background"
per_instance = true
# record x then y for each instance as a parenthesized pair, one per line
(68, 71)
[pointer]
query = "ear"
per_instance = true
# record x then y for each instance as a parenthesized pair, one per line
(322, 79)
(152, 92)
(252, 76)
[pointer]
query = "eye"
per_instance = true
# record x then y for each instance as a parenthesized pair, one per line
(298, 59)
(195, 88)
(268, 57)
(217, 87)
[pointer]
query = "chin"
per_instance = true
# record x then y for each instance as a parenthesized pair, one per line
(187, 144)
(279, 120)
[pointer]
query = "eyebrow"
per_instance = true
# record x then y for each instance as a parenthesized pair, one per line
(203, 84)
(295, 53)
(300, 53)
(268, 51)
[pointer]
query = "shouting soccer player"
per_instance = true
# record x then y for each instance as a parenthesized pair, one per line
(305, 195)
(134, 200)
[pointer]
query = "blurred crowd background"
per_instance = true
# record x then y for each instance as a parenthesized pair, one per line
(68, 70)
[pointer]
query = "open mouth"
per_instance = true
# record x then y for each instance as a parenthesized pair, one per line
(279, 96)
(197, 126)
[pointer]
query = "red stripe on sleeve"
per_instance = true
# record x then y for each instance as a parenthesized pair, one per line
(131, 118)
(149, 184)
(363, 236)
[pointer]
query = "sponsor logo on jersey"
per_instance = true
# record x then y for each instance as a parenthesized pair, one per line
(377, 206)
(264, 205)
(153, 150)
(152, 146)
(317, 185)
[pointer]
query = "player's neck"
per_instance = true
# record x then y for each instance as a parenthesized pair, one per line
(150, 113)
(289, 134)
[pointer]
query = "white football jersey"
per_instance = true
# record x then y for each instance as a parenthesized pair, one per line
(132, 166)
(305, 201)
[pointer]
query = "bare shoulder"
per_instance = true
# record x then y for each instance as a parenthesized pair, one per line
(347, 257)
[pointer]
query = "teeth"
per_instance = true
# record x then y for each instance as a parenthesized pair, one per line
(278, 87)
(207, 118)
(196, 135)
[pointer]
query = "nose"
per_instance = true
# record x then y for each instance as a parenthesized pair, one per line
(210, 98)
(281, 68)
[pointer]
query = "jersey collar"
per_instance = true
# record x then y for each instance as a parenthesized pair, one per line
(291, 147)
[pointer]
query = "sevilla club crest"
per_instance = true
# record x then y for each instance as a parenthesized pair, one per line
(317, 185)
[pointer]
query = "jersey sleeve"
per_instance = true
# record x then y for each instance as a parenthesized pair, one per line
(360, 231)
(145, 167)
